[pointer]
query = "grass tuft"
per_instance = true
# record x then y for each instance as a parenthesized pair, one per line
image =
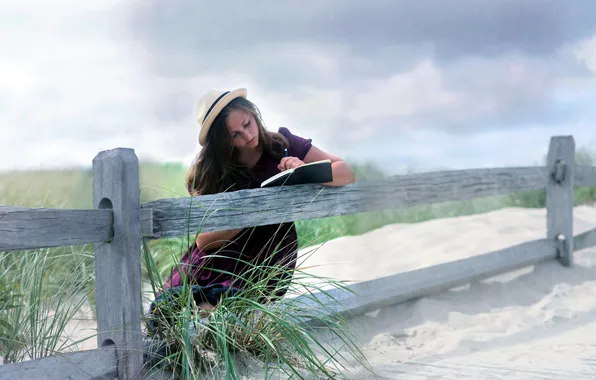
(37, 304)
(251, 330)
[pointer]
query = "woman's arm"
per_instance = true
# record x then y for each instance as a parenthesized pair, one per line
(215, 239)
(342, 171)
(342, 174)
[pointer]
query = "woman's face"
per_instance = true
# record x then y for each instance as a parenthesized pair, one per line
(243, 129)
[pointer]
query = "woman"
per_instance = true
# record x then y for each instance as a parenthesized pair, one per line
(238, 153)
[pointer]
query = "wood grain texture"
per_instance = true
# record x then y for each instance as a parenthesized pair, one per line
(585, 175)
(559, 195)
(31, 228)
(247, 208)
(23, 228)
(92, 364)
(118, 262)
(585, 240)
(371, 295)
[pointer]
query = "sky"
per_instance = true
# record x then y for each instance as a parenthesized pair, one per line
(407, 85)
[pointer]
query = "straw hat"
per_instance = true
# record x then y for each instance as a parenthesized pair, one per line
(210, 105)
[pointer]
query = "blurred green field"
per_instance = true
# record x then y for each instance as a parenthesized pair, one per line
(73, 189)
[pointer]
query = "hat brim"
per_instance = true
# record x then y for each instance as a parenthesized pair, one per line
(221, 103)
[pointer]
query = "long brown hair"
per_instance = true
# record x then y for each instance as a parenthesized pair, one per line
(216, 168)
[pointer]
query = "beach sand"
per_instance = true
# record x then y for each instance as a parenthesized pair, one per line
(535, 323)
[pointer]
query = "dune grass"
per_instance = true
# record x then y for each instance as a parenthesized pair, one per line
(251, 330)
(39, 293)
(37, 301)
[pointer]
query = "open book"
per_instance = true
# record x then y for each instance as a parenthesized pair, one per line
(314, 172)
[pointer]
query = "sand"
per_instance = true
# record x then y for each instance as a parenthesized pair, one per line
(535, 323)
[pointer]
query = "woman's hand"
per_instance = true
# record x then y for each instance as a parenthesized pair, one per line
(289, 163)
(205, 309)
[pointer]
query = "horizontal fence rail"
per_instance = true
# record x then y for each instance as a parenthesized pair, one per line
(97, 364)
(247, 208)
(585, 240)
(26, 228)
(359, 298)
(23, 228)
(363, 297)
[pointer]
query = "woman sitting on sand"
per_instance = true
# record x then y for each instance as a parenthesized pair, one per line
(238, 153)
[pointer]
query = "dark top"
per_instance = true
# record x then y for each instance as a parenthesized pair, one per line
(255, 245)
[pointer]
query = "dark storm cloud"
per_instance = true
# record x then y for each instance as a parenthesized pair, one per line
(277, 43)
(451, 28)
(498, 63)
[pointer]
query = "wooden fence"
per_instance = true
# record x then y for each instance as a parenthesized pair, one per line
(119, 221)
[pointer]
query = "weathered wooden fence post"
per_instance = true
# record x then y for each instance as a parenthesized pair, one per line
(559, 195)
(118, 262)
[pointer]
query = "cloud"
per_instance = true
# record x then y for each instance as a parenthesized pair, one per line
(586, 53)
(408, 81)
(404, 94)
(68, 88)
(453, 29)
(476, 93)
(444, 65)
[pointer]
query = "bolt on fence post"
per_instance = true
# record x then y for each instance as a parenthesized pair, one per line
(559, 196)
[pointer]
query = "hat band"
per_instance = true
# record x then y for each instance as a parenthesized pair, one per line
(213, 105)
